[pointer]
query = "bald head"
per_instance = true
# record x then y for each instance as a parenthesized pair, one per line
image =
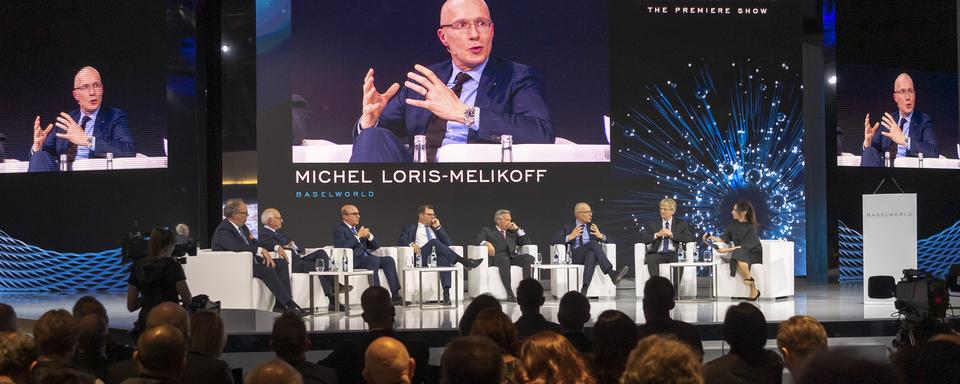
(88, 89)
(387, 361)
(904, 94)
(169, 313)
(450, 8)
(163, 350)
(275, 371)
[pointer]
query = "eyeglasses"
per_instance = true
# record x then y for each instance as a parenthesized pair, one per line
(352, 213)
(480, 25)
(905, 92)
(584, 212)
(87, 87)
(243, 213)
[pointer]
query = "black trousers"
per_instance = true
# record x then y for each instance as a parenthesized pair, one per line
(276, 279)
(446, 257)
(504, 262)
(590, 255)
(308, 263)
(653, 261)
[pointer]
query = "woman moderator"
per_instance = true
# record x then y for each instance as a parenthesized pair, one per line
(742, 232)
(156, 278)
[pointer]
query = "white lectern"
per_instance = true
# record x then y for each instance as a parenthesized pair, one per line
(889, 236)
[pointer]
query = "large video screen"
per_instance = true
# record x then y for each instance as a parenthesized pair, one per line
(616, 104)
(86, 86)
(897, 87)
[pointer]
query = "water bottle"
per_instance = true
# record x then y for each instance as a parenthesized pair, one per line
(569, 257)
(708, 253)
(506, 148)
(109, 160)
(696, 254)
(920, 156)
(419, 260)
(333, 264)
(433, 257)
(420, 149)
(886, 160)
(343, 264)
(318, 266)
(537, 259)
(556, 257)
(680, 253)
(63, 163)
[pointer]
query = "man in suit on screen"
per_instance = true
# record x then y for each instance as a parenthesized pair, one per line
(88, 132)
(233, 235)
(472, 98)
(350, 234)
(502, 242)
(664, 237)
(585, 241)
(905, 133)
(427, 236)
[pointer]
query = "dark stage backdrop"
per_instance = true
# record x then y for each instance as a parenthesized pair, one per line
(706, 108)
(62, 232)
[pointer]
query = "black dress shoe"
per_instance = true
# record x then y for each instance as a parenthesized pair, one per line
(470, 264)
(345, 288)
(293, 307)
(512, 299)
(446, 297)
(397, 301)
(618, 275)
(332, 308)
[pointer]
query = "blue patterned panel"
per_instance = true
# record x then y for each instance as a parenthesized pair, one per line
(28, 268)
(935, 254)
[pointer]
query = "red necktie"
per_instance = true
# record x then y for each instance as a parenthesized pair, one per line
(503, 234)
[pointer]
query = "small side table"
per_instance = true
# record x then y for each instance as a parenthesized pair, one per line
(675, 269)
(340, 275)
(420, 271)
(576, 268)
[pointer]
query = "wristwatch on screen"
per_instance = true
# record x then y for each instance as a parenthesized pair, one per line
(469, 116)
(907, 142)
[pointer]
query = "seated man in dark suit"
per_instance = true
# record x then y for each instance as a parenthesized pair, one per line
(350, 234)
(289, 341)
(583, 237)
(573, 313)
(233, 235)
(347, 357)
(274, 240)
(426, 237)
(906, 133)
(88, 132)
(472, 98)
(664, 237)
(530, 298)
(503, 241)
(657, 304)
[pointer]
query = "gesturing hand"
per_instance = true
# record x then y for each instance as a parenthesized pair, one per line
(595, 231)
(896, 132)
(74, 133)
(868, 130)
(577, 232)
(438, 98)
(39, 134)
(374, 101)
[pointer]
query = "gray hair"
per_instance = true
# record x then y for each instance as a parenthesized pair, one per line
(670, 202)
(500, 212)
(268, 214)
(183, 229)
(231, 207)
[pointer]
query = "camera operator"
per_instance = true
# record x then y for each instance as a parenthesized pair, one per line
(156, 278)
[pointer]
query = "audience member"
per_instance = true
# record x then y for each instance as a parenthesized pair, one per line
(161, 356)
(200, 369)
(56, 336)
(471, 360)
(745, 329)
(17, 354)
(275, 371)
(207, 334)
(8, 318)
(841, 366)
(89, 305)
(662, 359)
(657, 303)
(91, 353)
(530, 298)
(495, 325)
(614, 336)
(932, 362)
(799, 339)
(157, 278)
(550, 358)
(478, 304)
(289, 341)
(386, 361)
(379, 314)
(574, 312)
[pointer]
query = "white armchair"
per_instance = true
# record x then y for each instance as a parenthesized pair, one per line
(486, 278)
(774, 278)
(688, 283)
(411, 279)
(227, 277)
(600, 285)
(300, 284)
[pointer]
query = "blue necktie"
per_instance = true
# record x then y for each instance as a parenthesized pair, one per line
(429, 233)
(666, 240)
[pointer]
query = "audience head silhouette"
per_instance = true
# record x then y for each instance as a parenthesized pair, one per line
(92, 334)
(470, 314)
(798, 339)
(493, 324)
(17, 354)
(574, 311)
(471, 360)
(289, 339)
(662, 360)
(162, 351)
(530, 295)
(745, 329)
(172, 314)
(208, 335)
(550, 358)
(378, 310)
(614, 336)
(840, 366)
(387, 361)
(275, 371)
(8, 318)
(56, 335)
(658, 297)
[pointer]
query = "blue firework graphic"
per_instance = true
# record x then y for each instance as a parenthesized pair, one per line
(708, 141)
